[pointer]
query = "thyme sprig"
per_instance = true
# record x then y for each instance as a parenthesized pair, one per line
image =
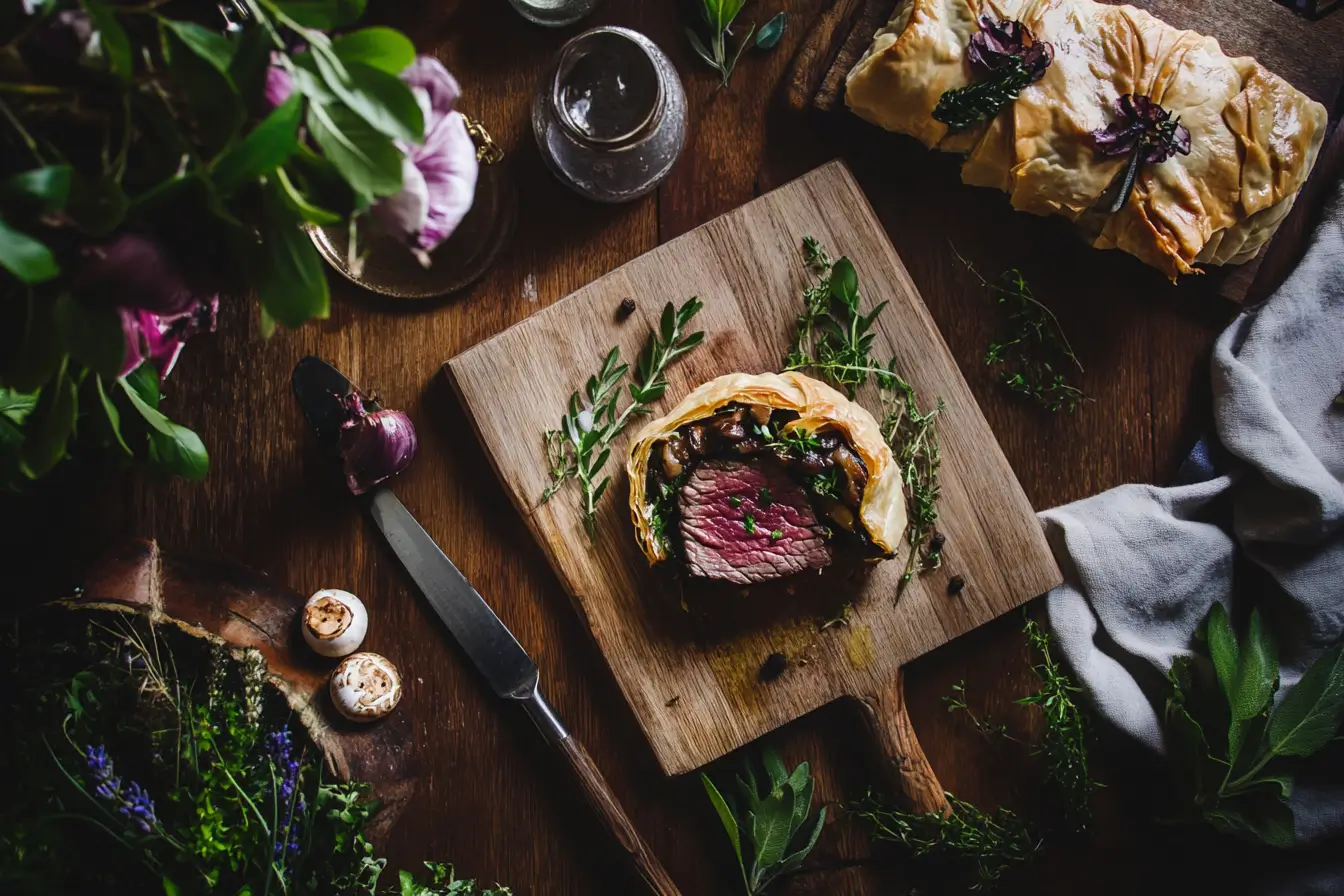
(967, 106)
(1032, 347)
(913, 438)
(581, 447)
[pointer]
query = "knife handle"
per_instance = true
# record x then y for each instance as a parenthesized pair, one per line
(600, 797)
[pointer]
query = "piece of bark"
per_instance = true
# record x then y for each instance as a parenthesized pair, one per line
(245, 608)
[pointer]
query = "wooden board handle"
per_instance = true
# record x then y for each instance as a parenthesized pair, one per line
(903, 760)
(604, 802)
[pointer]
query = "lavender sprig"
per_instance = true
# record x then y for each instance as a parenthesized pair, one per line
(130, 801)
(285, 767)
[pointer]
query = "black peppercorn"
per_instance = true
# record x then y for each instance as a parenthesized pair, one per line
(955, 584)
(773, 667)
(936, 542)
(627, 308)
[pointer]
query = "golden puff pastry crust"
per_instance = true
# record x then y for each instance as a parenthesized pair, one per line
(1254, 137)
(820, 408)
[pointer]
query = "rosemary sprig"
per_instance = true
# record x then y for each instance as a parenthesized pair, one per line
(1033, 345)
(913, 439)
(988, 842)
(581, 447)
(966, 106)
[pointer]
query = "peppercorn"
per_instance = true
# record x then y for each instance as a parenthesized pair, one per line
(955, 584)
(627, 308)
(773, 667)
(936, 542)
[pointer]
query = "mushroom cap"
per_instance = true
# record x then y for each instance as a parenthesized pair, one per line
(365, 686)
(334, 622)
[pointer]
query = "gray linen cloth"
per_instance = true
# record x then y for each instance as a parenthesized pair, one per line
(1260, 507)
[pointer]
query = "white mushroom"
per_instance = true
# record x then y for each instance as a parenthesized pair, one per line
(365, 686)
(334, 622)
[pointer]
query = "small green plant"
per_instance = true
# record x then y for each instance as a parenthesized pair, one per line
(1233, 752)
(768, 822)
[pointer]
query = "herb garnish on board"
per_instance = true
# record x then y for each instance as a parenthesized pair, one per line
(1007, 57)
(767, 821)
(581, 447)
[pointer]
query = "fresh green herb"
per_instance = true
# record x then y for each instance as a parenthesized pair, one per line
(956, 702)
(719, 16)
(749, 523)
(833, 337)
(1064, 742)
(989, 843)
(839, 619)
(1033, 347)
(768, 37)
(664, 515)
(580, 448)
(981, 101)
(764, 498)
(1234, 753)
(776, 534)
(827, 484)
(734, 502)
(443, 881)
(768, 826)
(914, 443)
(796, 442)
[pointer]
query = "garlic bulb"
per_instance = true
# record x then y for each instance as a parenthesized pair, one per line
(365, 686)
(334, 622)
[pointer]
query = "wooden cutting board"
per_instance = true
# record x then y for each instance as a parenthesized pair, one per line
(696, 691)
(1307, 52)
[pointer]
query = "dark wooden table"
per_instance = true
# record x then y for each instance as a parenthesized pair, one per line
(492, 799)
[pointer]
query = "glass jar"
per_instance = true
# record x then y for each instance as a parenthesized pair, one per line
(610, 118)
(554, 13)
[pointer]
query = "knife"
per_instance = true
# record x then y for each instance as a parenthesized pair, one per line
(321, 390)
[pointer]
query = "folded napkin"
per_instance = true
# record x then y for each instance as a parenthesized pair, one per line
(1261, 507)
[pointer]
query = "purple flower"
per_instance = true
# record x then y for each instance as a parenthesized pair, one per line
(998, 44)
(130, 270)
(280, 751)
(279, 83)
(159, 338)
(131, 802)
(1142, 126)
(438, 175)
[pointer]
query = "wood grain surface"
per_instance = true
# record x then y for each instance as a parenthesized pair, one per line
(693, 680)
(1306, 52)
(491, 797)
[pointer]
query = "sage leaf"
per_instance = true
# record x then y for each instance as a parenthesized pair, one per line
(770, 830)
(266, 147)
(1223, 648)
(774, 767)
(769, 34)
(1310, 714)
(802, 846)
(50, 426)
(172, 448)
(844, 283)
(725, 815)
(1257, 671)
(1261, 818)
(382, 48)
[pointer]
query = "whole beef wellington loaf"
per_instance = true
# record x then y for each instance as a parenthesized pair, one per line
(753, 478)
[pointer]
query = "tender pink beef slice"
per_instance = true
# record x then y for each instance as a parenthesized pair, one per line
(714, 531)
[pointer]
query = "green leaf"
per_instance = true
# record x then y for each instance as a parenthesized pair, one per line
(170, 888)
(803, 846)
(769, 34)
(51, 425)
(368, 160)
(845, 282)
(249, 66)
(1260, 818)
(112, 38)
(268, 146)
(97, 203)
(145, 381)
(770, 830)
(288, 272)
(39, 191)
(1310, 714)
(385, 49)
(112, 414)
(1257, 673)
(26, 258)
(774, 767)
(381, 99)
(1223, 648)
(15, 405)
(216, 106)
(801, 785)
(699, 47)
(725, 816)
(719, 14)
(299, 204)
(94, 336)
(323, 14)
(1187, 747)
(210, 46)
(172, 448)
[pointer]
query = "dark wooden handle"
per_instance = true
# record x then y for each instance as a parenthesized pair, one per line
(604, 802)
(903, 760)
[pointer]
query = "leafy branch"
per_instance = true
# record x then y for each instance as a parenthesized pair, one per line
(719, 16)
(581, 447)
(768, 825)
(966, 106)
(913, 439)
(1033, 347)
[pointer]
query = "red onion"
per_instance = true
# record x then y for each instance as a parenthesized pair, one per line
(376, 446)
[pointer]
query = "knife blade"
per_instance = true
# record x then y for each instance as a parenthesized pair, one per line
(322, 391)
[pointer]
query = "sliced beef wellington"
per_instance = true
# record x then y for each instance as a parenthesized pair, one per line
(753, 478)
